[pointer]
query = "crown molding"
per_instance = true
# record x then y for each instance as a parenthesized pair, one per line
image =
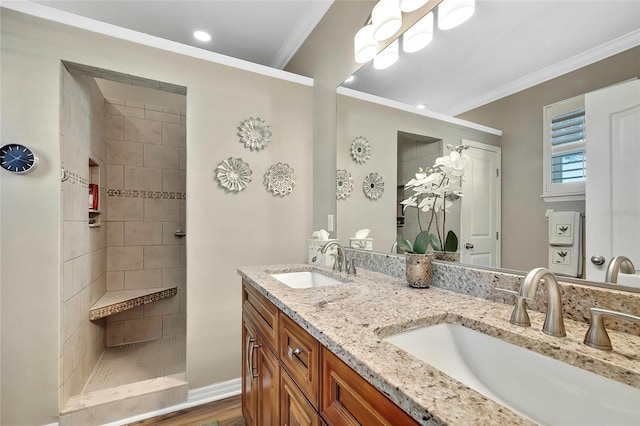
(87, 24)
(415, 110)
(300, 31)
(583, 59)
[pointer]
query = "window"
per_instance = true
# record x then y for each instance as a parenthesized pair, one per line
(564, 151)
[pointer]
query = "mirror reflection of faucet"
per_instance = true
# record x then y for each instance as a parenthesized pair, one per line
(617, 265)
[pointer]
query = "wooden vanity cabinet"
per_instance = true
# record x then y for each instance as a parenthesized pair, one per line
(289, 379)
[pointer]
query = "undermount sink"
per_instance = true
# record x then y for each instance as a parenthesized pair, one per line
(306, 279)
(539, 388)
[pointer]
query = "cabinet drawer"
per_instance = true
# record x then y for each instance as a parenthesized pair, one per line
(348, 399)
(262, 313)
(295, 410)
(299, 354)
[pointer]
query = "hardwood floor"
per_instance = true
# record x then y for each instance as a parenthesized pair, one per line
(228, 412)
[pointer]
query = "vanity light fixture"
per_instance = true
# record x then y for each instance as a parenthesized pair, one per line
(366, 47)
(411, 5)
(419, 35)
(387, 57)
(452, 13)
(202, 36)
(386, 18)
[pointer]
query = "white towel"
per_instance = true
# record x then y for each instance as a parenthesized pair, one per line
(564, 228)
(565, 243)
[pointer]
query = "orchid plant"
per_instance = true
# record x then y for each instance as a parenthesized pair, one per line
(435, 190)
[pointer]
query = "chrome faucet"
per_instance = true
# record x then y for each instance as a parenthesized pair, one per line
(341, 264)
(597, 336)
(617, 264)
(553, 322)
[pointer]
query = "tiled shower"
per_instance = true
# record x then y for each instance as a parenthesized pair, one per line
(134, 151)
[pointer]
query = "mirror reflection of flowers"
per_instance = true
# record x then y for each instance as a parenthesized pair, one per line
(435, 191)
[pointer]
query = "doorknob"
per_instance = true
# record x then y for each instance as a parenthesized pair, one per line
(597, 260)
(468, 246)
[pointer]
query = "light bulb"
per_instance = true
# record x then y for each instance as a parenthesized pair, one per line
(386, 17)
(419, 35)
(387, 57)
(452, 13)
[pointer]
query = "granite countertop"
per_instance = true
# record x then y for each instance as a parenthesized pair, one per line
(352, 319)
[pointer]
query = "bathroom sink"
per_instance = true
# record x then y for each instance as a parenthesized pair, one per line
(539, 388)
(306, 279)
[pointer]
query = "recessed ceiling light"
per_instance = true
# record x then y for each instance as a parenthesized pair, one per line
(421, 106)
(202, 36)
(349, 79)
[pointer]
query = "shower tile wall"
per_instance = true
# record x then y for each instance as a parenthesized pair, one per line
(146, 183)
(411, 155)
(84, 248)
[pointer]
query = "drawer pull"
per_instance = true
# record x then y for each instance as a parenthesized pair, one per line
(250, 347)
(292, 352)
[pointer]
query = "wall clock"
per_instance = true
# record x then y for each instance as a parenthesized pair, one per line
(17, 158)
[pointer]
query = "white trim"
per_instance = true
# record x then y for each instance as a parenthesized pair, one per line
(551, 198)
(414, 110)
(114, 31)
(300, 31)
(578, 61)
(195, 397)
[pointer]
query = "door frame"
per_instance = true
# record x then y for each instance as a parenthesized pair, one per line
(498, 207)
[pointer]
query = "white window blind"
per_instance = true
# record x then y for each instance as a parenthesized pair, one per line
(568, 147)
(564, 150)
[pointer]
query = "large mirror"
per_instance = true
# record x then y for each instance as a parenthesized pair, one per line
(501, 103)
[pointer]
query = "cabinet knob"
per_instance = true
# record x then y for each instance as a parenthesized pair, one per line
(597, 260)
(468, 246)
(292, 352)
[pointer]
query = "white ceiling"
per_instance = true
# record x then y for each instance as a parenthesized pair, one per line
(266, 32)
(505, 47)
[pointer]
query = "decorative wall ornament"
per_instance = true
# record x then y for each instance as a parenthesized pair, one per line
(233, 174)
(254, 133)
(373, 186)
(344, 184)
(360, 149)
(280, 179)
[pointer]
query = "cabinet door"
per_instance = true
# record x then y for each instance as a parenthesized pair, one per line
(295, 410)
(269, 385)
(348, 399)
(249, 382)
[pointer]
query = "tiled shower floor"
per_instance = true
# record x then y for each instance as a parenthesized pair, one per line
(135, 362)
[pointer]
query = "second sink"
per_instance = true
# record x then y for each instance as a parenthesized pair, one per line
(537, 387)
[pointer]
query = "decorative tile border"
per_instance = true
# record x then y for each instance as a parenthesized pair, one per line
(115, 308)
(75, 179)
(129, 193)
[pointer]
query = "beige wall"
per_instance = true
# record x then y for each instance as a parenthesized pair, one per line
(380, 125)
(519, 116)
(327, 57)
(146, 154)
(83, 248)
(226, 230)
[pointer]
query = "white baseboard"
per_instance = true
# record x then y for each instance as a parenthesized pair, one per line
(195, 397)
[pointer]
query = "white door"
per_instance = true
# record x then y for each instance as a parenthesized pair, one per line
(480, 206)
(612, 125)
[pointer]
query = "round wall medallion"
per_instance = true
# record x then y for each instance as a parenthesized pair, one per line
(360, 149)
(17, 158)
(280, 179)
(254, 133)
(233, 174)
(373, 186)
(344, 184)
